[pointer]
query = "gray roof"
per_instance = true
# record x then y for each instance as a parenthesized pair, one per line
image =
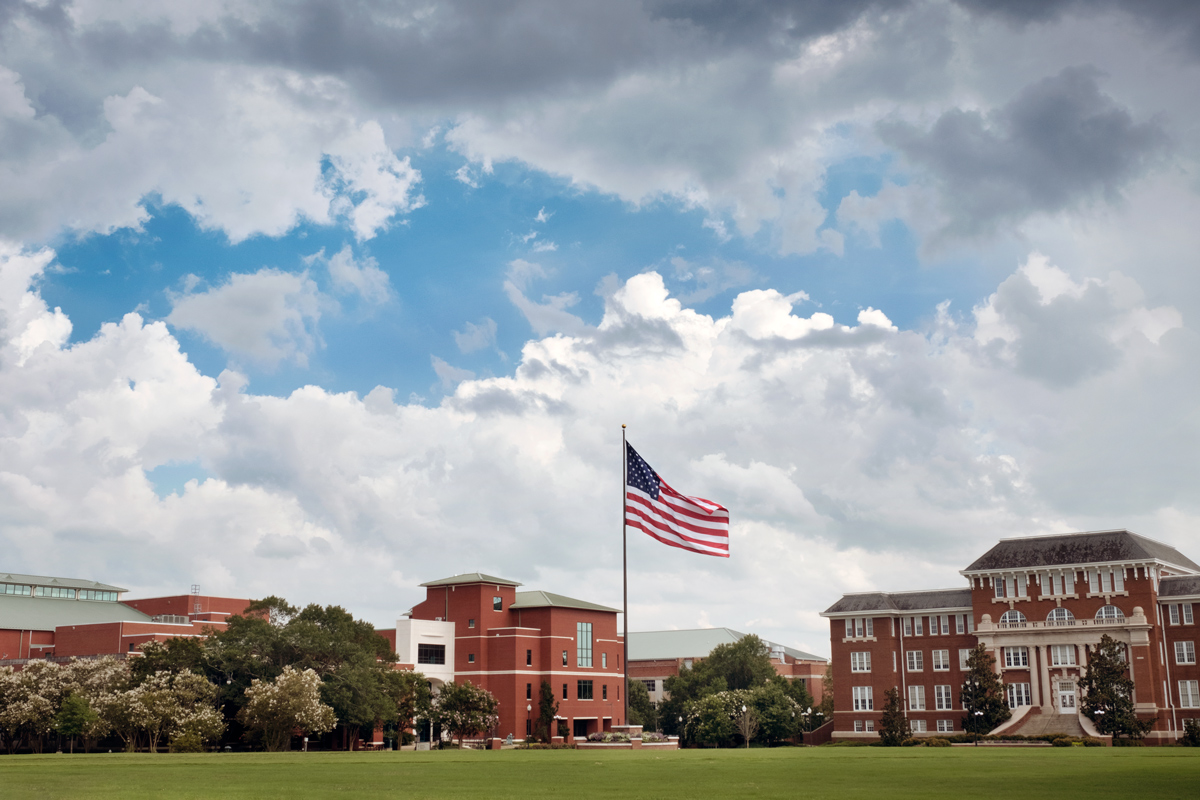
(543, 599)
(47, 580)
(472, 577)
(1092, 547)
(696, 643)
(48, 613)
(928, 600)
(1179, 586)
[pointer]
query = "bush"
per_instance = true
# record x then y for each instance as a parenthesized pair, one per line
(1092, 741)
(848, 743)
(937, 741)
(189, 742)
(544, 746)
(1191, 733)
(1128, 742)
(653, 736)
(912, 742)
(608, 737)
(1061, 741)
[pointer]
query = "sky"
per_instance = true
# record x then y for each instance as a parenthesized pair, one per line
(327, 299)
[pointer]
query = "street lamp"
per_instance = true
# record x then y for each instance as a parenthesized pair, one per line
(528, 723)
(978, 714)
(745, 726)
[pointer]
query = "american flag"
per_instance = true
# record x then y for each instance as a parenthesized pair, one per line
(690, 523)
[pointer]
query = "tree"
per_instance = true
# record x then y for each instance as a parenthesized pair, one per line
(409, 694)
(710, 719)
(778, 714)
(174, 655)
(744, 664)
(641, 709)
(826, 706)
(465, 709)
(1108, 692)
(178, 704)
(893, 725)
(982, 693)
(75, 718)
(547, 712)
(290, 703)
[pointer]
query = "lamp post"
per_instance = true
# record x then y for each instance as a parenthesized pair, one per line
(528, 720)
(1100, 714)
(745, 726)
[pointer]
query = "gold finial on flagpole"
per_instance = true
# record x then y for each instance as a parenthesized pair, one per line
(622, 424)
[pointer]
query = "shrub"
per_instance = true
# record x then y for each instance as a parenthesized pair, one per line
(1061, 741)
(1092, 741)
(937, 741)
(1191, 733)
(544, 746)
(848, 743)
(1128, 742)
(912, 742)
(608, 737)
(653, 736)
(187, 742)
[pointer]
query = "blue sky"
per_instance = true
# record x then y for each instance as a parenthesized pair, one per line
(889, 280)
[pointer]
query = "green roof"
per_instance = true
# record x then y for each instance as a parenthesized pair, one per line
(544, 599)
(472, 577)
(48, 613)
(66, 583)
(696, 643)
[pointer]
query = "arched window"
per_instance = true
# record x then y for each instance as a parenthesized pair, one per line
(1013, 618)
(1060, 616)
(1110, 614)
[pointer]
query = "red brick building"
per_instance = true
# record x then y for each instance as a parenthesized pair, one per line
(1040, 606)
(47, 617)
(480, 628)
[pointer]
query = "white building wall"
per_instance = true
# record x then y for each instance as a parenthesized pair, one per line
(411, 632)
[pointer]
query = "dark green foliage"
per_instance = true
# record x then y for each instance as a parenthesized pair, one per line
(745, 664)
(74, 717)
(983, 691)
(175, 655)
(641, 709)
(547, 711)
(894, 729)
(780, 716)
(1108, 693)
(937, 741)
(1191, 733)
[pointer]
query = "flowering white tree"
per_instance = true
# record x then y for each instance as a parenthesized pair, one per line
(288, 705)
(179, 704)
(29, 701)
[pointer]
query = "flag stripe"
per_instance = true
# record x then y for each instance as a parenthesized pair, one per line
(675, 519)
(664, 540)
(663, 512)
(648, 523)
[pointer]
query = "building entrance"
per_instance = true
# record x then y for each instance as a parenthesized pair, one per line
(1066, 697)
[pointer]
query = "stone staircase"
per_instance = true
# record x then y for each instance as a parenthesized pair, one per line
(1038, 724)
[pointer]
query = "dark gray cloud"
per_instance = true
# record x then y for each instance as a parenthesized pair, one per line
(744, 20)
(1060, 143)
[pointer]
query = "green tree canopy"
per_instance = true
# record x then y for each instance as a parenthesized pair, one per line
(893, 725)
(547, 711)
(641, 709)
(1108, 692)
(982, 691)
(465, 709)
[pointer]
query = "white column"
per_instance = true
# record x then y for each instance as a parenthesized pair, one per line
(1044, 666)
(1035, 685)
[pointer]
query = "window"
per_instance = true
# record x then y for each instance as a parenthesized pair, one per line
(999, 584)
(916, 698)
(583, 690)
(1093, 582)
(1016, 656)
(1062, 655)
(1118, 580)
(529, 691)
(943, 698)
(945, 725)
(431, 653)
(1018, 695)
(941, 660)
(564, 658)
(1189, 694)
(869, 725)
(963, 655)
(917, 626)
(908, 626)
(529, 658)
(863, 698)
(1110, 614)
(91, 594)
(1013, 619)
(1060, 616)
(649, 684)
(1187, 612)
(12, 588)
(945, 624)
(604, 692)
(970, 623)
(860, 662)
(916, 660)
(959, 623)
(564, 694)
(470, 658)
(1185, 653)
(858, 627)
(54, 591)
(470, 623)
(497, 604)
(858, 726)
(1173, 611)
(583, 644)
(918, 725)
(604, 660)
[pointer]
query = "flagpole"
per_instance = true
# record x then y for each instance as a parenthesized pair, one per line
(624, 576)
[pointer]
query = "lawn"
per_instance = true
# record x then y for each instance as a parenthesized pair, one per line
(1092, 773)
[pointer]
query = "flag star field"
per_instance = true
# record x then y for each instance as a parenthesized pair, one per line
(325, 300)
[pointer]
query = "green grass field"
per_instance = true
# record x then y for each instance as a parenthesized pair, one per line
(894, 774)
